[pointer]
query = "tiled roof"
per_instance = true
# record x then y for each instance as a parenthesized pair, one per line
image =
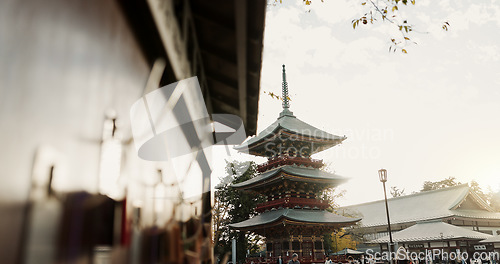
(307, 173)
(299, 215)
(492, 239)
(421, 206)
(288, 122)
(348, 251)
(430, 231)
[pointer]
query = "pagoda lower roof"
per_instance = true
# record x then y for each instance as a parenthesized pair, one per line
(294, 173)
(295, 217)
(291, 124)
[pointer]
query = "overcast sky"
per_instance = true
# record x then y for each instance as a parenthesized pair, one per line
(425, 115)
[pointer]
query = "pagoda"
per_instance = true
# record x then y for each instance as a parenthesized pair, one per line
(293, 217)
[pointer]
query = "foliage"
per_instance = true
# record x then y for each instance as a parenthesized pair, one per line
(477, 189)
(396, 192)
(448, 182)
(332, 195)
(339, 240)
(342, 238)
(387, 11)
(495, 200)
(232, 206)
(277, 97)
(490, 197)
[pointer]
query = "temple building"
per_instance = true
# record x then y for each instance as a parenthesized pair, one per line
(449, 219)
(293, 218)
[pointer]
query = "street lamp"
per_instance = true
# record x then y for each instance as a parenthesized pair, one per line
(382, 175)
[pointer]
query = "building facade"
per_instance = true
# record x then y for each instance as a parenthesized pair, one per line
(448, 219)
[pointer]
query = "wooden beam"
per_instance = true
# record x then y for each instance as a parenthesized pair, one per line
(225, 107)
(220, 25)
(222, 56)
(217, 77)
(241, 44)
(171, 35)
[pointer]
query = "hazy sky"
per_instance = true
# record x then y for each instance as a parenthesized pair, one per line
(425, 115)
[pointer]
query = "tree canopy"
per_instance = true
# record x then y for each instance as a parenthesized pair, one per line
(396, 192)
(489, 196)
(231, 206)
(448, 182)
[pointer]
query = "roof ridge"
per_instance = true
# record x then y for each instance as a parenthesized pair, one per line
(430, 221)
(480, 200)
(411, 195)
(460, 199)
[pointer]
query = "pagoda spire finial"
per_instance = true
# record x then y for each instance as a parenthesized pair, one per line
(284, 88)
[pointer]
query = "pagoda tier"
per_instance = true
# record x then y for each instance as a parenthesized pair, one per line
(292, 202)
(294, 222)
(291, 186)
(291, 177)
(289, 160)
(298, 231)
(289, 135)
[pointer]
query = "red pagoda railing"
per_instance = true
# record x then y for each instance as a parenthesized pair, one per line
(289, 160)
(291, 202)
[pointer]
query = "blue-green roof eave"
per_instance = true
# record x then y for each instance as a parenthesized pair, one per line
(306, 173)
(298, 215)
(288, 122)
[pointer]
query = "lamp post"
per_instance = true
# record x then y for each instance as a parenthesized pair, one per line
(442, 244)
(382, 174)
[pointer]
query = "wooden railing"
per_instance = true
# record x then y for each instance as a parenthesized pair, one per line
(319, 258)
(289, 160)
(291, 202)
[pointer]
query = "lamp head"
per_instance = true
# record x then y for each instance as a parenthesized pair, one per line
(382, 175)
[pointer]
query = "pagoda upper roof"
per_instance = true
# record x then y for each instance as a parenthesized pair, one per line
(290, 124)
(294, 173)
(295, 216)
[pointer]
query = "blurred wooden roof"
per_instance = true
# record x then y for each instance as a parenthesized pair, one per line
(230, 36)
(227, 38)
